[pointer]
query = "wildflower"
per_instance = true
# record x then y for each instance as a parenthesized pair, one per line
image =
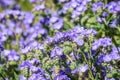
(57, 51)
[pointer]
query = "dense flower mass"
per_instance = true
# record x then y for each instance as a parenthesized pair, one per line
(60, 40)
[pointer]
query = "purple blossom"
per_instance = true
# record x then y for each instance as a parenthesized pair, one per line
(105, 14)
(61, 76)
(53, 19)
(37, 77)
(57, 51)
(58, 36)
(34, 1)
(113, 7)
(61, 0)
(13, 56)
(79, 42)
(34, 69)
(25, 64)
(75, 14)
(107, 58)
(100, 20)
(58, 25)
(101, 42)
(22, 77)
(1, 48)
(74, 4)
(114, 23)
(82, 68)
(115, 55)
(96, 6)
(39, 7)
(78, 29)
(35, 61)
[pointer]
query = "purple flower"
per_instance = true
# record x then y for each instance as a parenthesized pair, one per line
(34, 69)
(75, 71)
(107, 58)
(109, 78)
(35, 61)
(79, 42)
(53, 19)
(25, 64)
(81, 8)
(25, 50)
(3, 37)
(28, 18)
(7, 2)
(58, 25)
(101, 42)
(22, 77)
(13, 56)
(1, 48)
(61, 0)
(74, 4)
(34, 1)
(113, 7)
(88, 32)
(59, 36)
(6, 52)
(57, 51)
(96, 6)
(105, 14)
(36, 77)
(114, 23)
(65, 8)
(6, 78)
(18, 30)
(61, 76)
(48, 40)
(44, 20)
(100, 20)
(39, 7)
(106, 42)
(114, 56)
(78, 29)
(83, 68)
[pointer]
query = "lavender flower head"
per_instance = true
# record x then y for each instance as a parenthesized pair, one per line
(96, 6)
(57, 51)
(101, 42)
(13, 56)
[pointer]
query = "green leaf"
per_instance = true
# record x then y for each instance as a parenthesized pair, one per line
(67, 26)
(92, 20)
(67, 49)
(97, 76)
(16, 76)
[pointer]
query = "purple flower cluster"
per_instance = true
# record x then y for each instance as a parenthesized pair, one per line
(113, 55)
(104, 42)
(78, 7)
(44, 43)
(11, 55)
(97, 6)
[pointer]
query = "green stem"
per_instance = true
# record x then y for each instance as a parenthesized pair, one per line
(69, 58)
(105, 1)
(2, 76)
(115, 43)
(28, 73)
(89, 67)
